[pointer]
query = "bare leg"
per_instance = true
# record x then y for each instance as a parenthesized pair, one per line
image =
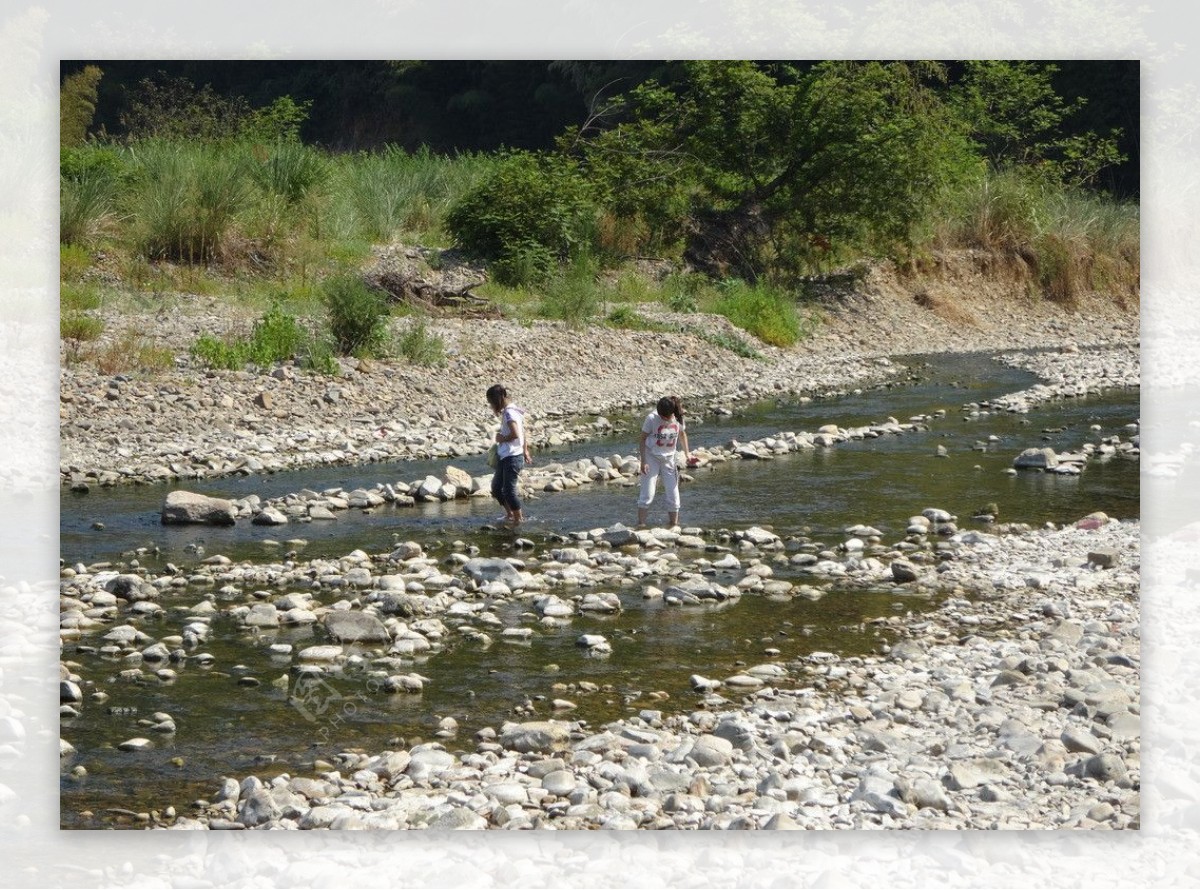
(673, 518)
(641, 515)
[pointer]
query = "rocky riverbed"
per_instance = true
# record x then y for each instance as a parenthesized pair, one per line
(190, 423)
(1009, 699)
(1013, 704)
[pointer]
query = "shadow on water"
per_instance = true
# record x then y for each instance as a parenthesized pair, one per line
(228, 729)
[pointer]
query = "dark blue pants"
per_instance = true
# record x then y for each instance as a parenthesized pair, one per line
(504, 482)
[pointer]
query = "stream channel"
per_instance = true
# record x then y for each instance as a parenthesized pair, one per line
(225, 729)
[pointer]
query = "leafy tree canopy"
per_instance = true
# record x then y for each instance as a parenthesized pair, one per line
(774, 160)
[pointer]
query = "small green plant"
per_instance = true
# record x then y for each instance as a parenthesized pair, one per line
(80, 327)
(79, 297)
(734, 344)
(681, 301)
(357, 316)
(276, 337)
(421, 347)
(625, 317)
(227, 354)
(73, 262)
(628, 318)
(572, 295)
(319, 358)
(681, 291)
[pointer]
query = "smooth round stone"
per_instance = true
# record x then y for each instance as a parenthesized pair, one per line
(508, 793)
(138, 744)
(560, 782)
(320, 653)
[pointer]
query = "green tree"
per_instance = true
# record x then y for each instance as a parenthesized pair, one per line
(772, 165)
(1017, 119)
(77, 106)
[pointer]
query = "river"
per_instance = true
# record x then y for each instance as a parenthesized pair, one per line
(227, 729)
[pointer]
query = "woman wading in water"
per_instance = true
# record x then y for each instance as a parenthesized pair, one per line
(512, 452)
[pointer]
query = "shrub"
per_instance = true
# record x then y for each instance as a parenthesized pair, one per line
(357, 316)
(166, 107)
(524, 265)
(277, 336)
(102, 161)
(534, 206)
(421, 347)
(761, 310)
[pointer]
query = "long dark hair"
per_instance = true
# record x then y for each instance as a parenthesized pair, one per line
(670, 406)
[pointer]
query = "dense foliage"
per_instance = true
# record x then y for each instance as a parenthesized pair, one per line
(565, 176)
(528, 214)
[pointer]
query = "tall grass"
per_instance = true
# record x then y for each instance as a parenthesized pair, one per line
(391, 193)
(185, 199)
(1071, 241)
(573, 294)
(87, 208)
(288, 170)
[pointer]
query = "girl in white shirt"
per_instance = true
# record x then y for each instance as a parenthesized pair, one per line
(512, 450)
(661, 433)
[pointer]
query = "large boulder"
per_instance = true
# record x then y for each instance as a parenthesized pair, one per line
(460, 479)
(184, 507)
(1036, 459)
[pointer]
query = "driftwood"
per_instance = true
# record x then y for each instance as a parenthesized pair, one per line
(430, 295)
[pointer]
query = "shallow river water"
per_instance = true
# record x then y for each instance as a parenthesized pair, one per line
(227, 729)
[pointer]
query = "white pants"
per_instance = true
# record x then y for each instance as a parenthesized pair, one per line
(667, 468)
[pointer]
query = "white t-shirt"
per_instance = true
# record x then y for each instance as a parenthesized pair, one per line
(661, 435)
(512, 421)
